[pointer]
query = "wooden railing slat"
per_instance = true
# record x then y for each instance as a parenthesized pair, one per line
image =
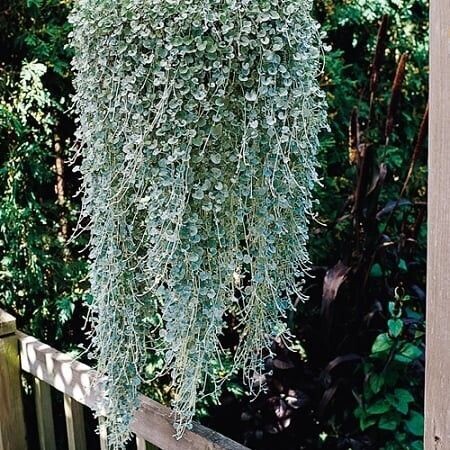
(154, 423)
(44, 414)
(76, 435)
(141, 444)
(57, 369)
(12, 423)
(103, 434)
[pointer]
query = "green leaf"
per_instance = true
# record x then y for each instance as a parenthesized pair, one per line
(215, 158)
(391, 446)
(395, 327)
(417, 445)
(403, 395)
(415, 423)
(382, 343)
(217, 130)
(379, 407)
(366, 422)
(376, 382)
(388, 422)
(65, 309)
(408, 353)
(402, 265)
(400, 404)
(376, 271)
(197, 141)
(401, 407)
(395, 310)
(34, 4)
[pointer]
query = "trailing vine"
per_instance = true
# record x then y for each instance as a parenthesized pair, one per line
(198, 131)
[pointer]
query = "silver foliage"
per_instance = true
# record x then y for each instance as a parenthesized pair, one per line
(198, 129)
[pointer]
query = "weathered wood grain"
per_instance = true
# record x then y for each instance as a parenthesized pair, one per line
(142, 444)
(12, 424)
(57, 369)
(44, 414)
(7, 323)
(437, 379)
(153, 422)
(103, 434)
(76, 434)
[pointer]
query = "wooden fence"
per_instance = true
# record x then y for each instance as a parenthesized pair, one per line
(50, 368)
(437, 375)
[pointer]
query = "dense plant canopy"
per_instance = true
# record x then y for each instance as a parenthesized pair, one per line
(40, 276)
(199, 131)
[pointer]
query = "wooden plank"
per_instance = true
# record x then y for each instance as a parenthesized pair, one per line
(437, 377)
(44, 415)
(76, 434)
(58, 370)
(152, 422)
(7, 323)
(103, 434)
(12, 424)
(141, 444)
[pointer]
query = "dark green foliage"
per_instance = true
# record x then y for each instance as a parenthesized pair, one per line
(368, 246)
(40, 276)
(388, 403)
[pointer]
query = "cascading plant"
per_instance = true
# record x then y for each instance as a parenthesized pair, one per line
(198, 132)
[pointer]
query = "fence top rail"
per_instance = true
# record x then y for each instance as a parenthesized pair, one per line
(7, 323)
(152, 422)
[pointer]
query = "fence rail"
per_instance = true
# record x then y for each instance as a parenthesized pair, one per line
(51, 368)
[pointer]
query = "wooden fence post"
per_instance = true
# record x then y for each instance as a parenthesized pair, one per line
(437, 377)
(76, 435)
(103, 434)
(44, 415)
(12, 423)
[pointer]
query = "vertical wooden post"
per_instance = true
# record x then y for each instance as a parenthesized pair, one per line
(44, 414)
(12, 423)
(103, 434)
(141, 444)
(76, 435)
(437, 378)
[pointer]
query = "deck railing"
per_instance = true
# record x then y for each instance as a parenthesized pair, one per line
(152, 424)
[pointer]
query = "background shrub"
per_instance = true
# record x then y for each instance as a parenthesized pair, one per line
(41, 276)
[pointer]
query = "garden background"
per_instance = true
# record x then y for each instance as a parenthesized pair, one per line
(356, 379)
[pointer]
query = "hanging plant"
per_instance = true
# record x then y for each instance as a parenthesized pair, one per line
(198, 130)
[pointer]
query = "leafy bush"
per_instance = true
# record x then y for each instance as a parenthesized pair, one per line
(389, 394)
(40, 277)
(369, 248)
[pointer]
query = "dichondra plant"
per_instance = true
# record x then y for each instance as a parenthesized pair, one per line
(198, 131)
